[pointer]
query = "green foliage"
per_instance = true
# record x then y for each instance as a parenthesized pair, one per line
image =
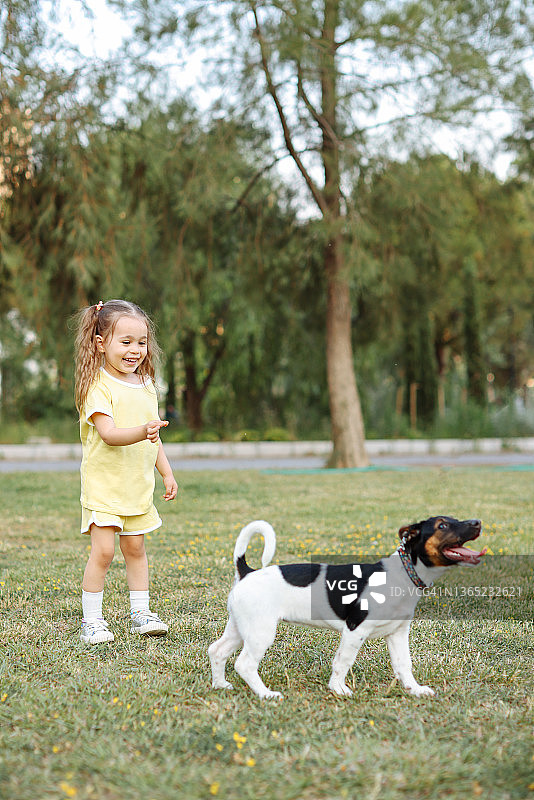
(468, 420)
(277, 435)
(248, 435)
(476, 374)
(434, 227)
(185, 213)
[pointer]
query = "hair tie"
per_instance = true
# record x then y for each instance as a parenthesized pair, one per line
(99, 306)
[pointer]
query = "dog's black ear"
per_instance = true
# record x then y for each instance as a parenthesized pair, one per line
(409, 532)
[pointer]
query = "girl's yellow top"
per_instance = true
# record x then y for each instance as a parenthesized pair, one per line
(118, 479)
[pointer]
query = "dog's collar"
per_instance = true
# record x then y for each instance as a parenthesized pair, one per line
(407, 563)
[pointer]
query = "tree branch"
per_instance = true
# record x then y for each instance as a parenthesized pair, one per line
(319, 118)
(255, 178)
(217, 355)
(271, 88)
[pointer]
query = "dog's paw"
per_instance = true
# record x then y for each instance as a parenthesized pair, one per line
(421, 691)
(223, 685)
(340, 688)
(268, 695)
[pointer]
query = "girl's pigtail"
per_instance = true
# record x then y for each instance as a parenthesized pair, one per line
(88, 358)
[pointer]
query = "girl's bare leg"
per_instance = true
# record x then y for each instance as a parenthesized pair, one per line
(133, 550)
(100, 558)
(94, 627)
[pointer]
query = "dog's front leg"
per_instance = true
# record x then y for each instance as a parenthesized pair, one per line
(348, 649)
(401, 661)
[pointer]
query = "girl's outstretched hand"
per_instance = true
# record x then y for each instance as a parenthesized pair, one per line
(152, 429)
(171, 487)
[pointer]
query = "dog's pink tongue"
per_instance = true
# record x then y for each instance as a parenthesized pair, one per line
(465, 554)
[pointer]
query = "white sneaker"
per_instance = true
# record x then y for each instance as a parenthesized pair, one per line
(146, 623)
(96, 632)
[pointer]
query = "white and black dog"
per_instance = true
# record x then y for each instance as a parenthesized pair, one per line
(362, 601)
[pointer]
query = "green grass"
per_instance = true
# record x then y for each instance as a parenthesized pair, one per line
(137, 720)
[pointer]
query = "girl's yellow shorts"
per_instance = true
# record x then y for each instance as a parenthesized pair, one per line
(126, 526)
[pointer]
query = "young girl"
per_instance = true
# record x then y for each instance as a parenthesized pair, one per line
(119, 428)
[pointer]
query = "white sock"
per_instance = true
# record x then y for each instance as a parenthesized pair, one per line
(139, 601)
(92, 605)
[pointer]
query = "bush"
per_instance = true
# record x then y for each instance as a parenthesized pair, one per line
(207, 436)
(249, 435)
(469, 421)
(176, 435)
(277, 435)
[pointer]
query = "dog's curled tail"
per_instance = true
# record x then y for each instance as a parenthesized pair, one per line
(269, 538)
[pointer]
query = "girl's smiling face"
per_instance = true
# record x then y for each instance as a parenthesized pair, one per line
(126, 348)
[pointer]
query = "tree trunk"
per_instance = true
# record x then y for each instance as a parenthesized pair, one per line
(476, 373)
(192, 396)
(193, 407)
(348, 437)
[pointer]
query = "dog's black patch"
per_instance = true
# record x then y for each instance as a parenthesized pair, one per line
(342, 582)
(242, 567)
(300, 574)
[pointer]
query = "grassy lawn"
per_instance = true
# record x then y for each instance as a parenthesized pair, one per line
(138, 720)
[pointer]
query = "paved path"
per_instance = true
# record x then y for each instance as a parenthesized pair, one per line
(282, 458)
